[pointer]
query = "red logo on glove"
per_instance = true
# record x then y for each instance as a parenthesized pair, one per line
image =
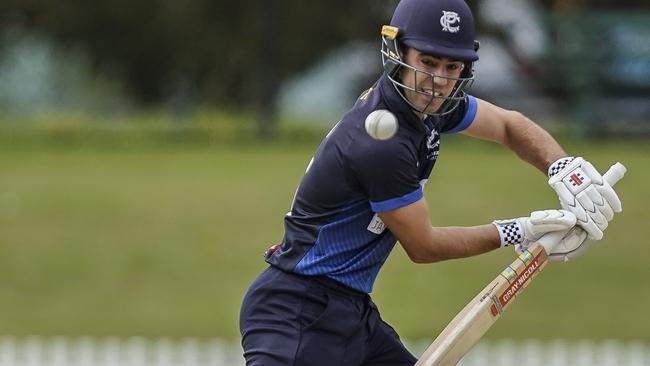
(575, 178)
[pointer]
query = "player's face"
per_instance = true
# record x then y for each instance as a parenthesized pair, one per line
(436, 77)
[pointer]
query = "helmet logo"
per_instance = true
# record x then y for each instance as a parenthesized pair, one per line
(448, 19)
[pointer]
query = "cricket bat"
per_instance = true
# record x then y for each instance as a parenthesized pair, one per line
(471, 323)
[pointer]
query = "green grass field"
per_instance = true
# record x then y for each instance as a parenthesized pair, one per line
(164, 240)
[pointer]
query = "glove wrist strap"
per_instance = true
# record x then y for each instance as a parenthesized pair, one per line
(510, 232)
(558, 165)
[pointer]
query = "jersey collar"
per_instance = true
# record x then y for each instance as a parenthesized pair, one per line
(403, 111)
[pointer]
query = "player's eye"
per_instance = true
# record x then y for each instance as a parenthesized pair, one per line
(454, 67)
(428, 62)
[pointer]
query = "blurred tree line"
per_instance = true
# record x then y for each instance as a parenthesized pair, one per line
(226, 53)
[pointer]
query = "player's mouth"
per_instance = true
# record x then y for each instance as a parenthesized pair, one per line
(429, 91)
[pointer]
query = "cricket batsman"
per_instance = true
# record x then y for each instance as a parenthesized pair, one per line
(363, 191)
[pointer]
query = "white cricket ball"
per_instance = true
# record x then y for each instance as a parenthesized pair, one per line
(381, 124)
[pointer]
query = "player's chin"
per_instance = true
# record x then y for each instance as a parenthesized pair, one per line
(425, 103)
(432, 106)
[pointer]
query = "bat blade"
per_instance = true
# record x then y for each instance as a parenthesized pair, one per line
(471, 323)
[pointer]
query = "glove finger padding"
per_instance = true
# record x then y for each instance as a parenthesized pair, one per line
(592, 211)
(526, 230)
(610, 195)
(541, 222)
(583, 220)
(602, 205)
(604, 189)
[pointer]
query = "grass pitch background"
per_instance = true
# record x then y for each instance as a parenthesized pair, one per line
(160, 236)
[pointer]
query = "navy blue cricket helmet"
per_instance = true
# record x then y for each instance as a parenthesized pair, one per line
(442, 28)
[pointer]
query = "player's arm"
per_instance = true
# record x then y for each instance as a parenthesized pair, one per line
(590, 198)
(426, 244)
(517, 132)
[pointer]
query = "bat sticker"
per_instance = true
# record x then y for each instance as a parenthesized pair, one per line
(526, 257)
(509, 274)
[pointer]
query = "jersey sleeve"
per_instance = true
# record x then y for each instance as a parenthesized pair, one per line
(388, 172)
(462, 117)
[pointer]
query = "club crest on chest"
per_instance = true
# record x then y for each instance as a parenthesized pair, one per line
(433, 145)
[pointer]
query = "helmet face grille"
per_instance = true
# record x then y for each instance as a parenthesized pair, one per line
(442, 28)
(393, 66)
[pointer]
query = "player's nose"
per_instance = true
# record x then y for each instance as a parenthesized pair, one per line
(440, 81)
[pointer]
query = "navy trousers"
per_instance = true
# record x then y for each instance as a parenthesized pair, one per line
(292, 320)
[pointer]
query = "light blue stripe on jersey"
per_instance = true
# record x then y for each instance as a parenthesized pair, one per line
(469, 115)
(347, 252)
(397, 202)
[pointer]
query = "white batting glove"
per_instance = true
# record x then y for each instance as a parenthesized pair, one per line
(573, 244)
(584, 192)
(524, 231)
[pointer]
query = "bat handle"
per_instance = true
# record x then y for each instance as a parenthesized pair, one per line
(611, 176)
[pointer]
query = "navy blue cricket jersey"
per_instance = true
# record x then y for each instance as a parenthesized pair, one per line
(332, 229)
